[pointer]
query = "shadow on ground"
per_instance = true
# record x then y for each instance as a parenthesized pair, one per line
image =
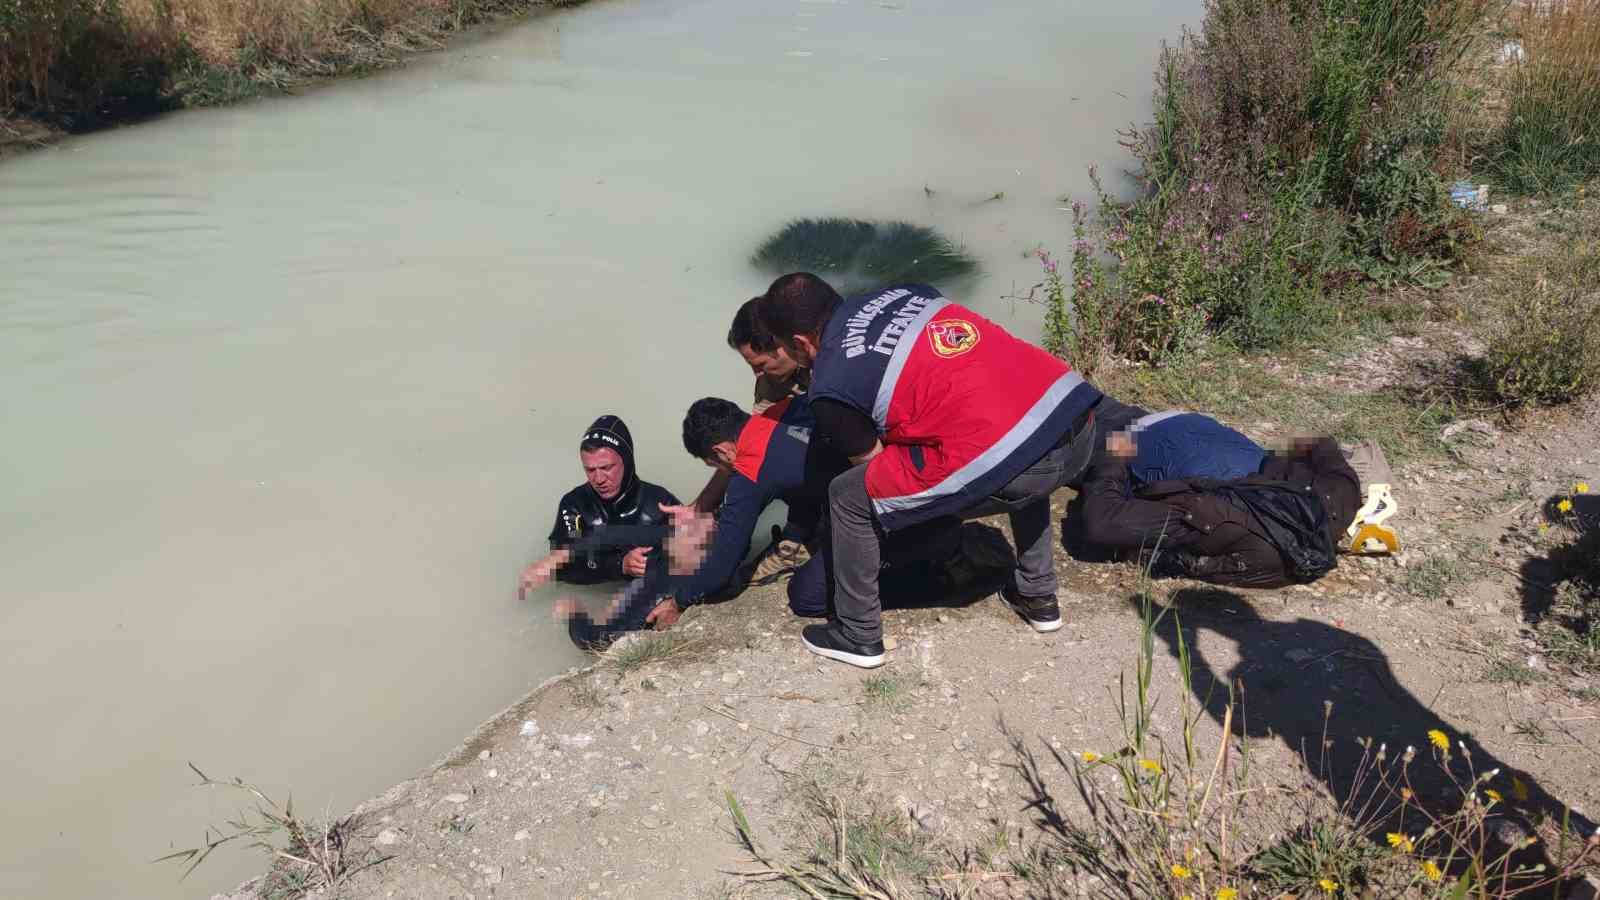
(1298, 680)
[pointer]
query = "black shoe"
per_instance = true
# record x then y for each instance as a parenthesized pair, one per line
(825, 640)
(1041, 613)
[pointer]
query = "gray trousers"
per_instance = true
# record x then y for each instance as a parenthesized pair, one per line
(853, 537)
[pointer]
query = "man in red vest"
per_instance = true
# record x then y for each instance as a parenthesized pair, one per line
(943, 414)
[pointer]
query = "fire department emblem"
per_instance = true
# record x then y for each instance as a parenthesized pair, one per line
(952, 337)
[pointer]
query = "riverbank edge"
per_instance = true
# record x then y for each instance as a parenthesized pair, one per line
(21, 135)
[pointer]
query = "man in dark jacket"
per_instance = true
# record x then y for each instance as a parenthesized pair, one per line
(1192, 516)
(769, 457)
(611, 494)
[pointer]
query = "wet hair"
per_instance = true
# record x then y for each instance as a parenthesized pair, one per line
(797, 303)
(710, 422)
(747, 329)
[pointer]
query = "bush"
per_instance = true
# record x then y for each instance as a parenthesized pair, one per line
(1552, 132)
(1545, 345)
(1296, 147)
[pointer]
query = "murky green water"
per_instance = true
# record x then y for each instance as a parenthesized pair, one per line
(289, 390)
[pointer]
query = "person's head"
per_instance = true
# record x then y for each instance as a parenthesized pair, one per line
(795, 309)
(606, 453)
(711, 431)
(757, 345)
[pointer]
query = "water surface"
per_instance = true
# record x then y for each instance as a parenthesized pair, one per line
(289, 390)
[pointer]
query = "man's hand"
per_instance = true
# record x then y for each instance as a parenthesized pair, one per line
(877, 447)
(543, 570)
(665, 615)
(633, 564)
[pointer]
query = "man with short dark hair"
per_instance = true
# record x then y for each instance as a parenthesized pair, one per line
(943, 413)
(778, 378)
(772, 457)
(764, 457)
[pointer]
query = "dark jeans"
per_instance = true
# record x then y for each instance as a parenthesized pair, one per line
(911, 558)
(639, 597)
(853, 538)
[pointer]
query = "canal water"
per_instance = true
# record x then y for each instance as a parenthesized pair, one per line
(289, 390)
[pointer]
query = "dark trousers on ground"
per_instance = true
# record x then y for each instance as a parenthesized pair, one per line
(911, 562)
(853, 539)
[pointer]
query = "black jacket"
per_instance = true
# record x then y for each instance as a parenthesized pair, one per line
(1202, 534)
(582, 512)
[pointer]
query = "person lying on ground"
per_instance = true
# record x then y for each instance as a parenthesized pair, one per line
(648, 601)
(943, 414)
(612, 494)
(778, 378)
(1280, 525)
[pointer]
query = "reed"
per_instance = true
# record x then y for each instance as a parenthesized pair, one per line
(1552, 132)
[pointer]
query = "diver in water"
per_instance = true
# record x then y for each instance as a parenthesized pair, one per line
(611, 527)
(612, 494)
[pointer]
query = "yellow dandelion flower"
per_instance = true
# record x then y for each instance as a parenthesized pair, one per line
(1494, 795)
(1439, 739)
(1089, 756)
(1581, 487)
(1519, 789)
(1543, 527)
(1431, 871)
(1227, 893)
(1150, 765)
(1400, 842)
(1180, 871)
(1564, 506)
(1328, 885)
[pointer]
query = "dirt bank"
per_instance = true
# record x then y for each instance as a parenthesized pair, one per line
(614, 781)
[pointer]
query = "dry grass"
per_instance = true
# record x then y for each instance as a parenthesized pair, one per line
(1553, 92)
(79, 63)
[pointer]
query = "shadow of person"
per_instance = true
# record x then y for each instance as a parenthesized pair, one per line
(1287, 671)
(1574, 564)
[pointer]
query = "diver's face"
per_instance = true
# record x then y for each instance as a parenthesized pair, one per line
(773, 362)
(602, 467)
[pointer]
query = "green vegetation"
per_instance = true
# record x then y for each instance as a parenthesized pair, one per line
(1569, 629)
(887, 690)
(1544, 344)
(1552, 89)
(1295, 153)
(856, 255)
(645, 647)
(304, 858)
(81, 64)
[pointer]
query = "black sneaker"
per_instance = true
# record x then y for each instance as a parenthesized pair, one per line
(825, 640)
(1041, 613)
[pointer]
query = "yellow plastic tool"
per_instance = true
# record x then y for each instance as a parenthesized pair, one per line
(1367, 534)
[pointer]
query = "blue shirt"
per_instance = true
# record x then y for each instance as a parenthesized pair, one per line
(1181, 444)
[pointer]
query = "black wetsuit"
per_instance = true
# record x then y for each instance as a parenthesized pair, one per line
(582, 512)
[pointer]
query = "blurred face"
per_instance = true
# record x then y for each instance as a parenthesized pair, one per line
(773, 362)
(603, 470)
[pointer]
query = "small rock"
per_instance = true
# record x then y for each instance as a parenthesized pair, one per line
(530, 728)
(388, 837)
(983, 803)
(943, 619)
(482, 755)
(456, 798)
(521, 835)
(1499, 209)
(890, 643)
